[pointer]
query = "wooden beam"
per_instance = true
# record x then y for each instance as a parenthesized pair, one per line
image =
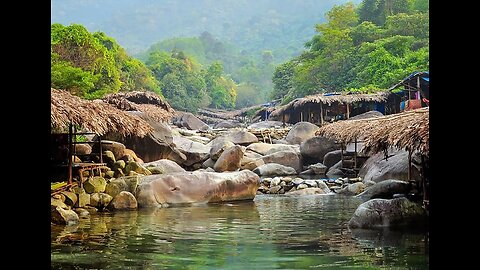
(321, 113)
(348, 110)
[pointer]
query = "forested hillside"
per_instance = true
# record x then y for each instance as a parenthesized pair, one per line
(362, 48)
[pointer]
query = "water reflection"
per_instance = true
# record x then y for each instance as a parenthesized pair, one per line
(272, 232)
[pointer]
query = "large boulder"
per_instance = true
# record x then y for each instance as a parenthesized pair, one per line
(95, 184)
(248, 157)
(332, 157)
(266, 124)
(218, 145)
(60, 215)
(387, 213)
(164, 166)
(229, 160)
(115, 147)
(241, 137)
(189, 121)
(196, 187)
(267, 148)
(301, 132)
(273, 169)
(365, 115)
(124, 200)
(195, 152)
(317, 147)
(385, 189)
(318, 168)
(377, 168)
(83, 149)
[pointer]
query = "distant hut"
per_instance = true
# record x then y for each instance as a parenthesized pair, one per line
(414, 91)
(407, 130)
(323, 107)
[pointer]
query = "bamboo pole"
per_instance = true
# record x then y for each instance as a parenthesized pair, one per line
(348, 111)
(70, 152)
(321, 114)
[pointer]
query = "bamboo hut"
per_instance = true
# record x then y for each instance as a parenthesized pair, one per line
(67, 113)
(151, 104)
(408, 130)
(323, 107)
(94, 116)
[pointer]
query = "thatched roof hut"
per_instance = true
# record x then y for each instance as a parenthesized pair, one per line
(94, 116)
(407, 130)
(328, 99)
(151, 104)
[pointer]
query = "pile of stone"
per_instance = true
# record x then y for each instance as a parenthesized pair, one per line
(293, 186)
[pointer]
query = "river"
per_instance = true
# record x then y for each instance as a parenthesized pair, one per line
(271, 232)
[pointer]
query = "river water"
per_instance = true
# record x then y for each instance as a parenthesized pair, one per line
(271, 232)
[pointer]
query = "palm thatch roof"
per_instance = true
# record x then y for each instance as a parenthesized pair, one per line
(94, 116)
(151, 104)
(407, 130)
(341, 98)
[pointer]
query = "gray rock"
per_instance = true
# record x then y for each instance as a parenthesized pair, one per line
(307, 172)
(306, 191)
(95, 184)
(317, 147)
(332, 157)
(274, 189)
(218, 145)
(387, 213)
(209, 163)
(318, 168)
(164, 166)
(124, 200)
(300, 132)
(298, 181)
(63, 216)
(271, 169)
(377, 169)
(286, 158)
(275, 181)
(352, 189)
(335, 171)
(365, 115)
(311, 183)
(241, 137)
(302, 186)
(385, 189)
(195, 152)
(267, 148)
(229, 160)
(189, 121)
(227, 124)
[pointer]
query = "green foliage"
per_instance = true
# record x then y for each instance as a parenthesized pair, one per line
(358, 55)
(92, 65)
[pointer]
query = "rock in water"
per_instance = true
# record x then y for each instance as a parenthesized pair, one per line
(385, 189)
(387, 213)
(196, 187)
(124, 200)
(100, 200)
(63, 216)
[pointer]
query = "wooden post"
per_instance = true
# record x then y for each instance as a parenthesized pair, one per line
(424, 183)
(70, 152)
(348, 111)
(355, 156)
(309, 118)
(283, 119)
(301, 116)
(321, 113)
(100, 147)
(409, 165)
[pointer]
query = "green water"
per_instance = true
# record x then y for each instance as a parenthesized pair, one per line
(271, 232)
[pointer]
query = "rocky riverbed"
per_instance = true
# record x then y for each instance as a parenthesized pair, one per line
(215, 165)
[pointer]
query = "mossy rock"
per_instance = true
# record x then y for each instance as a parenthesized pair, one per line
(95, 184)
(109, 158)
(119, 164)
(70, 198)
(109, 174)
(136, 167)
(100, 200)
(83, 200)
(115, 186)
